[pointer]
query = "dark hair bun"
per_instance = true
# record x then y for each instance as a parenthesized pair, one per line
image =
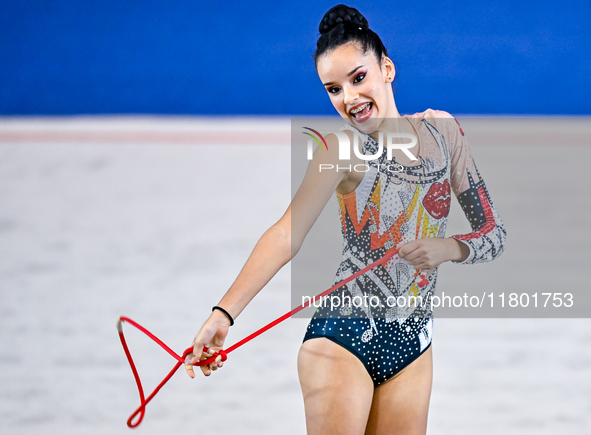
(342, 25)
(341, 14)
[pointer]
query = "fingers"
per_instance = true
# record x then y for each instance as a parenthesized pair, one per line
(197, 351)
(415, 255)
(206, 369)
(408, 251)
(217, 363)
(188, 366)
(412, 255)
(214, 365)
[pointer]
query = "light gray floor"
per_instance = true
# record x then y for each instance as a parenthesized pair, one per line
(158, 232)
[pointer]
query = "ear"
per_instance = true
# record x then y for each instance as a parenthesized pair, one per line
(388, 69)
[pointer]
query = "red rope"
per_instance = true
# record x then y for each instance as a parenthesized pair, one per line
(141, 410)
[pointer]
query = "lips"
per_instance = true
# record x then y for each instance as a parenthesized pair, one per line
(438, 200)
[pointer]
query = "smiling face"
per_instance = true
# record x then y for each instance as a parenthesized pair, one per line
(358, 86)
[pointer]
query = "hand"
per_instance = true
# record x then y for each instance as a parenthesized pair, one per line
(428, 253)
(212, 335)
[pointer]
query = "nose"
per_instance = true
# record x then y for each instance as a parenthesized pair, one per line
(350, 95)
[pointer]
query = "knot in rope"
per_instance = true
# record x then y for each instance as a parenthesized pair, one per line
(223, 354)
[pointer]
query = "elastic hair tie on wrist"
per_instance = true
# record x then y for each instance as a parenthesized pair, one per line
(225, 312)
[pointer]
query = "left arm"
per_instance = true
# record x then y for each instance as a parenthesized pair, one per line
(488, 237)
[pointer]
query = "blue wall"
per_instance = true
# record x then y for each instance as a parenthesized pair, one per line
(217, 57)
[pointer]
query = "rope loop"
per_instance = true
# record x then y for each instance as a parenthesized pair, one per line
(180, 360)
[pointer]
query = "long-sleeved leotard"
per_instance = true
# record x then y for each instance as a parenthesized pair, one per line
(390, 206)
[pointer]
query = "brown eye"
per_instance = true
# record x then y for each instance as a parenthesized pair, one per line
(334, 90)
(359, 78)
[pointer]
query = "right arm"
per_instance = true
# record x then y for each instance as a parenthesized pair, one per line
(277, 246)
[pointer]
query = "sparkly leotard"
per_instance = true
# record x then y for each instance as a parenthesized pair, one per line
(390, 206)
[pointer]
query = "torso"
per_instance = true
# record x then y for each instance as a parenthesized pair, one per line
(387, 206)
(379, 209)
(350, 183)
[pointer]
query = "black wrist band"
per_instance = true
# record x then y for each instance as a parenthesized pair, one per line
(225, 312)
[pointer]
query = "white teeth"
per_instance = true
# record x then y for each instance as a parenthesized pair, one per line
(359, 109)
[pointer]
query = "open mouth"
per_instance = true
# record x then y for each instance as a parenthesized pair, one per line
(361, 111)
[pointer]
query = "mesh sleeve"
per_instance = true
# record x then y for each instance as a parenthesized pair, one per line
(488, 236)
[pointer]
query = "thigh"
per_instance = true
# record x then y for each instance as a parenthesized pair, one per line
(336, 387)
(401, 404)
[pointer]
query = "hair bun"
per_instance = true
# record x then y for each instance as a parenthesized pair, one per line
(341, 14)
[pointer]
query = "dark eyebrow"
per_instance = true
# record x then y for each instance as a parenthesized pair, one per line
(348, 75)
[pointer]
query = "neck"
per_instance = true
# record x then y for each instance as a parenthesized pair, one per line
(393, 122)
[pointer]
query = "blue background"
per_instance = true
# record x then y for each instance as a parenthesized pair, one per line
(226, 58)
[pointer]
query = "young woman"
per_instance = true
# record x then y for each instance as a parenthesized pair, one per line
(369, 369)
